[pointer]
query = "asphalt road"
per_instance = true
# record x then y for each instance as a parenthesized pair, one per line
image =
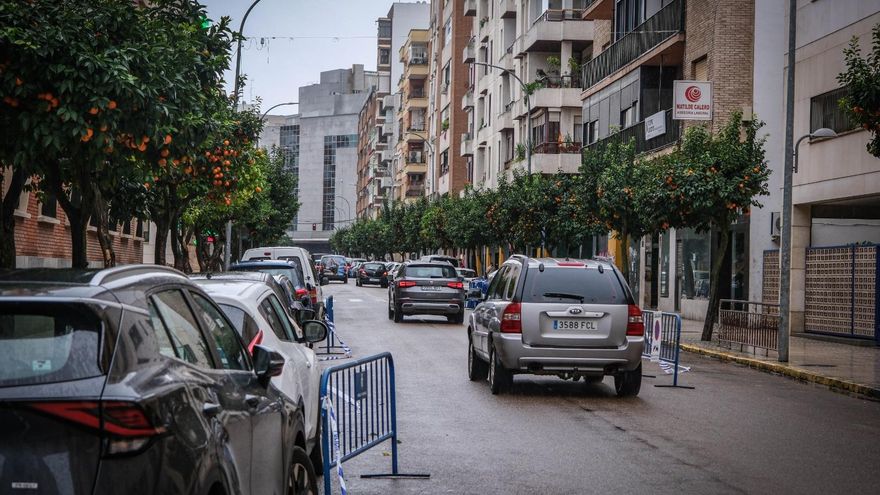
(738, 431)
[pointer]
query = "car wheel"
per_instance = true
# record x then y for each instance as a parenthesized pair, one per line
(499, 377)
(384, 285)
(477, 368)
(390, 311)
(628, 383)
(460, 317)
(398, 314)
(301, 479)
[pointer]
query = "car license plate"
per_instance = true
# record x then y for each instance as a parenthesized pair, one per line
(578, 324)
(374, 279)
(429, 288)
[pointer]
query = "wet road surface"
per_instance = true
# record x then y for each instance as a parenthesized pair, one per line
(738, 431)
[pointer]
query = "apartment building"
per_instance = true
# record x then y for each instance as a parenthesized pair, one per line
(836, 189)
(379, 132)
(448, 170)
(410, 165)
(534, 47)
(640, 48)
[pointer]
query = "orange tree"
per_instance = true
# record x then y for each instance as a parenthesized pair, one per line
(93, 91)
(862, 77)
(614, 187)
(707, 184)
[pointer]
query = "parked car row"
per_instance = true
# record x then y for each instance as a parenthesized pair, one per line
(138, 379)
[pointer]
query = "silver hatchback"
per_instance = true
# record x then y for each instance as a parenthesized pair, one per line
(572, 318)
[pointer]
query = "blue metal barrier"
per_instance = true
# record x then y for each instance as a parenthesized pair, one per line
(334, 347)
(666, 329)
(359, 397)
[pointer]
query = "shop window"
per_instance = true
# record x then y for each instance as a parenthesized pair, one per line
(696, 249)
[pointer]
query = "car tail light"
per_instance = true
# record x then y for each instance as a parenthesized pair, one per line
(125, 423)
(300, 292)
(257, 340)
(635, 325)
(511, 318)
(313, 293)
(363, 272)
(406, 283)
(455, 285)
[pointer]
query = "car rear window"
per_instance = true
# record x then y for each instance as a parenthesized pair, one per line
(373, 266)
(431, 272)
(290, 273)
(555, 285)
(48, 343)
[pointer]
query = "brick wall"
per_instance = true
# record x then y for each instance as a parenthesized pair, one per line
(458, 118)
(45, 242)
(601, 35)
(723, 32)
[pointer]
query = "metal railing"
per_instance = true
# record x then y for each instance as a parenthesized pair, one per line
(663, 25)
(825, 111)
(555, 148)
(557, 15)
(415, 157)
(663, 342)
(748, 323)
(552, 81)
(637, 131)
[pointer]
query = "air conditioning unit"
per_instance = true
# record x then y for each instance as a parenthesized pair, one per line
(775, 225)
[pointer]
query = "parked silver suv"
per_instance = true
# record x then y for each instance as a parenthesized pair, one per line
(571, 318)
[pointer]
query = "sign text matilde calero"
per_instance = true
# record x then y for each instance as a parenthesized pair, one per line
(692, 100)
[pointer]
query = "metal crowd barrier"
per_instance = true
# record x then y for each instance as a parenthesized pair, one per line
(359, 411)
(662, 341)
(334, 347)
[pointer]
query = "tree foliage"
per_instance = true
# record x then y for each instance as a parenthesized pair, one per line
(862, 78)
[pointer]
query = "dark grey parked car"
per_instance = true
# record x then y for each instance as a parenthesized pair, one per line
(131, 380)
(570, 318)
(426, 288)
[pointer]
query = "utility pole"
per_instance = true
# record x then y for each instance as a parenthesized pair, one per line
(227, 251)
(787, 171)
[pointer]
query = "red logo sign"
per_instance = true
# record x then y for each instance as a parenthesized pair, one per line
(693, 94)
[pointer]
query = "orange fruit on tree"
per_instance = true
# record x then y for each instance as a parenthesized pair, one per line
(168, 139)
(94, 111)
(111, 105)
(87, 136)
(163, 153)
(162, 162)
(258, 189)
(226, 143)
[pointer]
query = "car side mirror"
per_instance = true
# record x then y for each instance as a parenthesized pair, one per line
(325, 280)
(314, 330)
(306, 314)
(267, 362)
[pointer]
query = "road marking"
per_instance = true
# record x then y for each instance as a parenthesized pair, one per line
(355, 300)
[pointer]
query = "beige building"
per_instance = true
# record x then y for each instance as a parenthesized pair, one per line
(541, 44)
(836, 190)
(410, 163)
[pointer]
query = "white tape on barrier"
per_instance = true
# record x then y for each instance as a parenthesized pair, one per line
(669, 368)
(334, 429)
(345, 348)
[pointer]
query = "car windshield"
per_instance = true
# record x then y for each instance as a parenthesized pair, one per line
(48, 343)
(430, 272)
(564, 285)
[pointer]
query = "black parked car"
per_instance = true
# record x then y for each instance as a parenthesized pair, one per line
(426, 288)
(372, 273)
(131, 380)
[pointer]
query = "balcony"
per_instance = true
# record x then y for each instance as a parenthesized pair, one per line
(555, 26)
(507, 8)
(415, 190)
(467, 145)
(663, 26)
(505, 118)
(415, 157)
(467, 101)
(470, 8)
(556, 148)
(485, 27)
(599, 9)
(550, 98)
(469, 54)
(637, 132)
(551, 163)
(388, 128)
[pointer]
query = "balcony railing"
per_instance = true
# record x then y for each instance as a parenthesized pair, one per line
(557, 15)
(663, 25)
(548, 81)
(416, 127)
(554, 148)
(415, 157)
(637, 131)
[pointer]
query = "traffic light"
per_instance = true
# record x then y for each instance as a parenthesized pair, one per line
(314, 226)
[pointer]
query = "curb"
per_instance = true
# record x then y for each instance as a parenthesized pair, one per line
(798, 374)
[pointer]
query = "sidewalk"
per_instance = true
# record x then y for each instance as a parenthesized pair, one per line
(850, 368)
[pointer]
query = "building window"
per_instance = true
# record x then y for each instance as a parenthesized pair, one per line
(447, 32)
(49, 206)
(825, 112)
(447, 74)
(628, 117)
(331, 144)
(385, 29)
(700, 69)
(126, 227)
(628, 14)
(444, 163)
(696, 249)
(384, 56)
(592, 134)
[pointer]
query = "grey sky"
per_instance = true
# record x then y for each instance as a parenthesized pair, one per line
(275, 68)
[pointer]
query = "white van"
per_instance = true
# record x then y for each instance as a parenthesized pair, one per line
(301, 257)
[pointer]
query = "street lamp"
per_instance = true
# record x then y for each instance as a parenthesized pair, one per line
(273, 107)
(348, 204)
(227, 253)
(525, 91)
(823, 132)
(785, 247)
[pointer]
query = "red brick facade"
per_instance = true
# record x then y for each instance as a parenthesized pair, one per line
(43, 241)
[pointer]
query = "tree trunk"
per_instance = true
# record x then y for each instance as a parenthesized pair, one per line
(78, 212)
(719, 251)
(105, 240)
(162, 227)
(182, 238)
(7, 217)
(79, 224)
